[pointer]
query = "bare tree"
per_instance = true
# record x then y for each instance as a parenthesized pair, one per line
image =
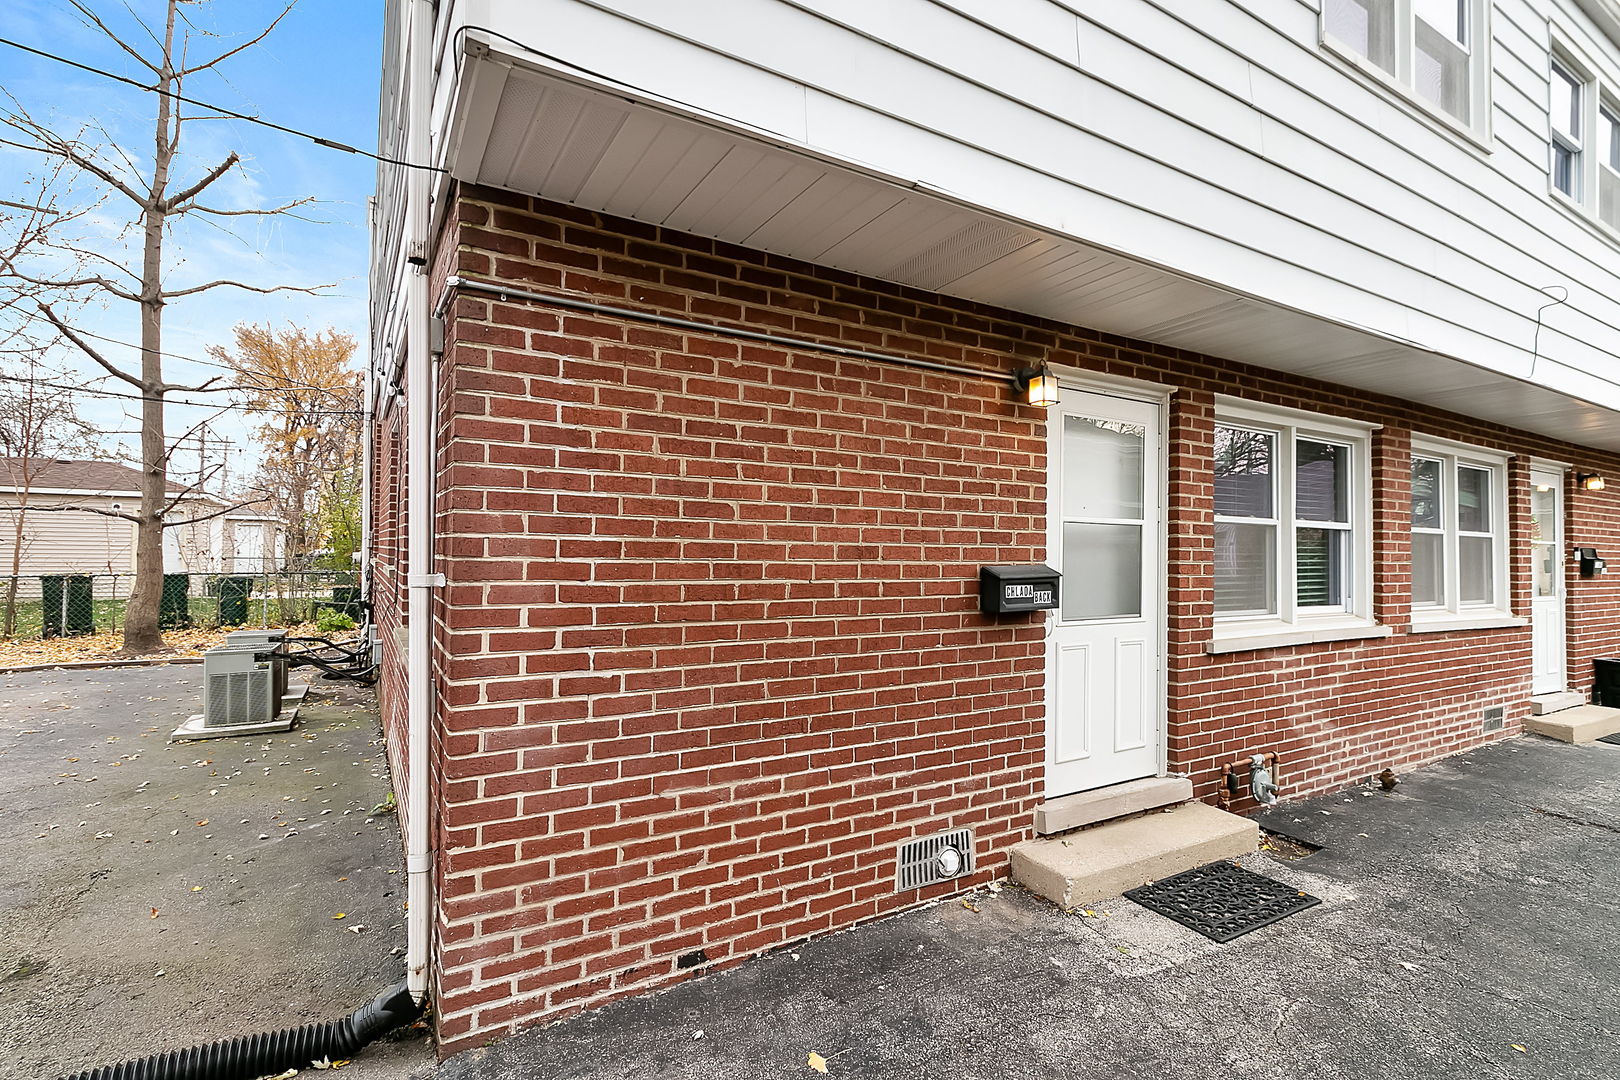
(55, 273)
(38, 426)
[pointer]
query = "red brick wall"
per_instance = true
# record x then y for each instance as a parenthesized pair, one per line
(1592, 519)
(712, 647)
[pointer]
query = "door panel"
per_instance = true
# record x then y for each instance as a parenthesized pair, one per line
(1548, 672)
(1105, 695)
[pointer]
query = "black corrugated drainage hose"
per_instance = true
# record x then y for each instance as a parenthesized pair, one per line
(267, 1053)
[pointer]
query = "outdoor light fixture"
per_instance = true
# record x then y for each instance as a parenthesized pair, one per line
(1038, 385)
(1590, 481)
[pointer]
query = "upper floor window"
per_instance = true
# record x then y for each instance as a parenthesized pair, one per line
(1583, 133)
(1292, 538)
(1431, 49)
(1564, 114)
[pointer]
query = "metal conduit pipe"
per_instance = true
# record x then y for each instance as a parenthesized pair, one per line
(456, 281)
(419, 482)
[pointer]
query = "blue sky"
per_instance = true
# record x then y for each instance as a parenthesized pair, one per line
(318, 72)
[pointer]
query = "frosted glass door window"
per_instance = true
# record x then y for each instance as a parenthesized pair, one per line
(1103, 504)
(1106, 478)
(1102, 576)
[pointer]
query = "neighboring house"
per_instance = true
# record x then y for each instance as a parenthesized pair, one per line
(69, 525)
(721, 422)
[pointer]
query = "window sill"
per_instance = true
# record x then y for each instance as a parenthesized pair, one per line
(1485, 620)
(1404, 96)
(1281, 635)
(1583, 217)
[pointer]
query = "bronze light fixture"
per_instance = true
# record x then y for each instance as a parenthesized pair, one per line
(1038, 385)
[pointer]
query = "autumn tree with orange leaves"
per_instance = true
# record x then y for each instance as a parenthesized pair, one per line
(310, 437)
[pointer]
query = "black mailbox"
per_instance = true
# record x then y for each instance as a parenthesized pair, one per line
(1591, 565)
(1005, 590)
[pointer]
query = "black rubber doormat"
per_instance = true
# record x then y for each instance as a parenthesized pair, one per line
(1614, 739)
(1222, 900)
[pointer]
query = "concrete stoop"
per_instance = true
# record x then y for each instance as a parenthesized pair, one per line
(1543, 704)
(1584, 724)
(1084, 867)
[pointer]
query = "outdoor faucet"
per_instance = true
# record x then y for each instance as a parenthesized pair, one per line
(1261, 784)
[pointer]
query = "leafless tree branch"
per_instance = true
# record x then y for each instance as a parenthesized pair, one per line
(89, 350)
(209, 177)
(95, 20)
(222, 57)
(310, 289)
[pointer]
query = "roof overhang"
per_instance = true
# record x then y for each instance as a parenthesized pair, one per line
(517, 123)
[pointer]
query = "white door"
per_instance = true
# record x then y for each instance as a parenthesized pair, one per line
(249, 549)
(1104, 688)
(1548, 667)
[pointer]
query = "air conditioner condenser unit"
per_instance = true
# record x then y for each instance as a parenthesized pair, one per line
(245, 692)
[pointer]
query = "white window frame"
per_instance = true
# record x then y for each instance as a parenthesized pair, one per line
(1291, 621)
(1573, 143)
(1477, 128)
(1450, 612)
(1600, 93)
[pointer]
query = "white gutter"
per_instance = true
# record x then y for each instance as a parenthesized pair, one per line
(417, 56)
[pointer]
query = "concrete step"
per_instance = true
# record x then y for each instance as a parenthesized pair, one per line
(1588, 723)
(1542, 704)
(1105, 804)
(1082, 868)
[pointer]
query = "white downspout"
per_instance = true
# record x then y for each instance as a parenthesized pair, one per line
(420, 579)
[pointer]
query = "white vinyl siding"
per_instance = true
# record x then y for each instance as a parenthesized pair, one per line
(1432, 51)
(1213, 138)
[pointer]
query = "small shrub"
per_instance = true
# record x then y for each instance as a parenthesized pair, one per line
(327, 620)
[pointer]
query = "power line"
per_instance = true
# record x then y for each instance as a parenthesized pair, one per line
(167, 399)
(331, 144)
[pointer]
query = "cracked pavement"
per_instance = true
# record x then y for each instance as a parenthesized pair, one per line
(155, 895)
(1465, 916)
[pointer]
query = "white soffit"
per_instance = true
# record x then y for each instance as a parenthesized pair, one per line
(554, 138)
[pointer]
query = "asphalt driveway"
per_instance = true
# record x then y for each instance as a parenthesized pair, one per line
(154, 894)
(1468, 931)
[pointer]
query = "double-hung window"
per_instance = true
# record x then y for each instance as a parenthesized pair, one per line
(1459, 533)
(1583, 132)
(1433, 51)
(1566, 112)
(1292, 521)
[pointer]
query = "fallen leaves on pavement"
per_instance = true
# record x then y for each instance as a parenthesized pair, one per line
(108, 645)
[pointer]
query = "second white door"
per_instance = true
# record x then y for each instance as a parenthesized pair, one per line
(1548, 665)
(1104, 683)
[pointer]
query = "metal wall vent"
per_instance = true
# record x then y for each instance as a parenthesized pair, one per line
(929, 859)
(1495, 717)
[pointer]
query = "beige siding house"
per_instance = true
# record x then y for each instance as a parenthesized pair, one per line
(67, 509)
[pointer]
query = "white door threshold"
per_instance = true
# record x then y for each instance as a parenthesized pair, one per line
(1557, 701)
(1115, 801)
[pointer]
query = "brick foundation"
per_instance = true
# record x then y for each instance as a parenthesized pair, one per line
(710, 645)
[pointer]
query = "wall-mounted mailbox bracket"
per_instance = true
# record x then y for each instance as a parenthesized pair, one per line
(1008, 590)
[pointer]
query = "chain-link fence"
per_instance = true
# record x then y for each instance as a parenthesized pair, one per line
(70, 605)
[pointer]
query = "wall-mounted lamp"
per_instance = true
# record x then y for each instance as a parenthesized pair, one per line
(1038, 385)
(1589, 481)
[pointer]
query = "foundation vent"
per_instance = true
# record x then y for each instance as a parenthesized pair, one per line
(930, 859)
(1494, 718)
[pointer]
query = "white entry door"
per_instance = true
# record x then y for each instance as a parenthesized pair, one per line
(1548, 665)
(249, 549)
(1104, 683)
